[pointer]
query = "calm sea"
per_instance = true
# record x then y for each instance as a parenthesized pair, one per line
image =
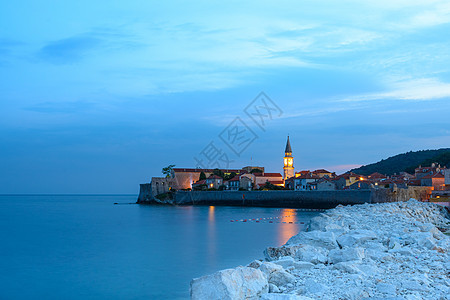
(85, 247)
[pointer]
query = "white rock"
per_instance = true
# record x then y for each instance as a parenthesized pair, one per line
(281, 278)
(356, 237)
(385, 251)
(314, 287)
(315, 238)
(303, 265)
(255, 264)
(312, 254)
(285, 262)
(428, 227)
(269, 267)
(402, 251)
(349, 267)
(273, 288)
(347, 254)
(386, 288)
(238, 283)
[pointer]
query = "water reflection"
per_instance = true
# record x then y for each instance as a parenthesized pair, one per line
(287, 229)
(211, 236)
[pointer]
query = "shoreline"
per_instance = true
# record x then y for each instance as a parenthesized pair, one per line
(389, 250)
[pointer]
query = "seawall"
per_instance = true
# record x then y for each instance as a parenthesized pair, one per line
(291, 199)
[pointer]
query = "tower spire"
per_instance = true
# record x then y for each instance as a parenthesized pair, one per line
(288, 166)
(288, 146)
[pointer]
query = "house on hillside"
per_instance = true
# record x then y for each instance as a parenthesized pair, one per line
(376, 177)
(421, 172)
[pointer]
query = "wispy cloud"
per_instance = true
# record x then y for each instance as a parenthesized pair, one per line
(68, 50)
(75, 107)
(415, 89)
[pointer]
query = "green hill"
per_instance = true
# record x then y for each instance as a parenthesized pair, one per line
(406, 162)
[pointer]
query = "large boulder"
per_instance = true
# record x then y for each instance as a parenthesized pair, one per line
(285, 262)
(281, 278)
(315, 255)
(315, 238)
(356, 237)
(347, 254)
(268, 268)
(274, 253)
(238, 283)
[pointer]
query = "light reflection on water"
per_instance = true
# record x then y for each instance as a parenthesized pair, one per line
(211, 236)
(84, 247)
(287, 230)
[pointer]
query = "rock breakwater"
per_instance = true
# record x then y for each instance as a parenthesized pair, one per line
(379, 251)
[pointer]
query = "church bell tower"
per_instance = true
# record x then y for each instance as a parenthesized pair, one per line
(288, 161)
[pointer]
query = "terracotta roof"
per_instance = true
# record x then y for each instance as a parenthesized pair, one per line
(303, 172)
(437, 175)
(276, 181)
(203, 181)
(321, 171)
(235, 178)
(348, 175)
(307, 176)
(273, 175)
(414, 182)
(268, 175)
(214, 177)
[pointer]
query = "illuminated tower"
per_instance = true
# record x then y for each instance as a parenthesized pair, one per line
(288, 161)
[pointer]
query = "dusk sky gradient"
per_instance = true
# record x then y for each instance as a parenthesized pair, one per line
(98, 96)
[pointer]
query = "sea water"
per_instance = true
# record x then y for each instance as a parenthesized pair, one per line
(85, 247)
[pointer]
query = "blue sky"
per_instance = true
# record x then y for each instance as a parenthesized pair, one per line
(97, 97)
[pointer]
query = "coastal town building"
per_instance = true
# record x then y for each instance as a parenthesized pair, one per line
(273, 178)
(185, 177)
(347, 179)
(252, 169)
(161, 185)
(214, 181)
(233, 184)
(301, 182)
(361, 185)
(437, 181)
(321, 173)
(447, 177)
(325, 184)
(376, 177)
(251, 177)
(427, 171)
(288, 165)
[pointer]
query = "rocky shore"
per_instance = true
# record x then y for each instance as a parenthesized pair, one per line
(379, 251)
